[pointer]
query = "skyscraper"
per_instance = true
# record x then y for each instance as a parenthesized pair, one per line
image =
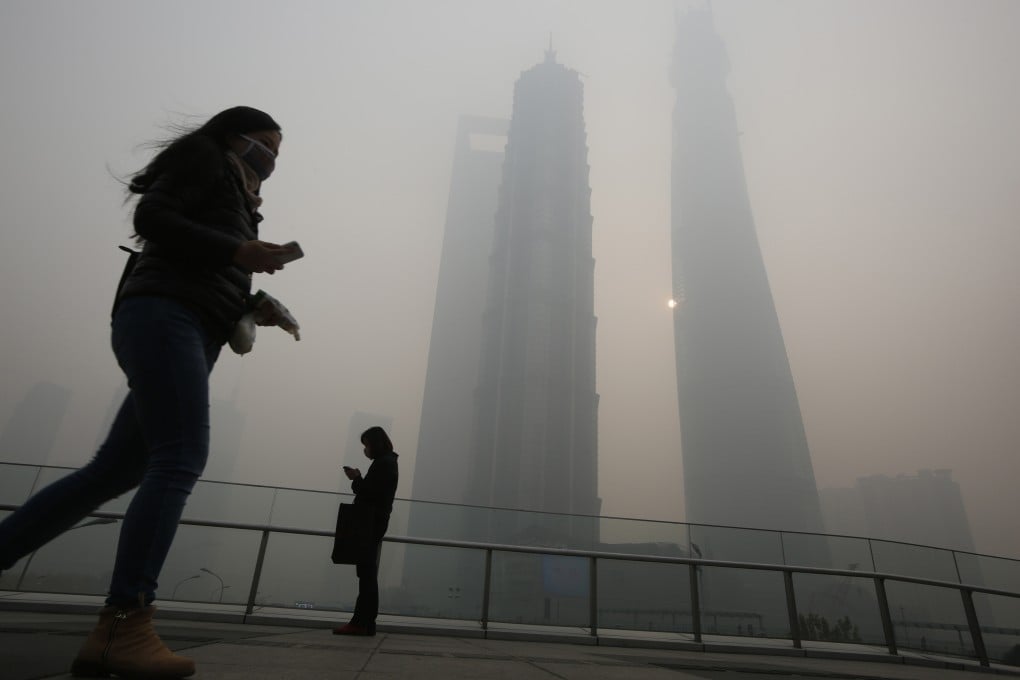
(925, 508)
(535, 425)
(444, 437)
(745, 454)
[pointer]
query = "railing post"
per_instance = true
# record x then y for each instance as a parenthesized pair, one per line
(488, 585)
(593, 596)
(956, 564)
(791, 608)
(695, 603)
(883, 612)
(975, 626)
(257, 576)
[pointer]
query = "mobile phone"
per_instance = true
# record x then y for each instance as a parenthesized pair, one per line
(348, 467)
(295, 253)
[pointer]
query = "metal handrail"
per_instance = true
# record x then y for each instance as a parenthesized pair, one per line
(879, 578)
(779, 532)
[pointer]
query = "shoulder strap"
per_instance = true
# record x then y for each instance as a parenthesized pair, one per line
(128, 268)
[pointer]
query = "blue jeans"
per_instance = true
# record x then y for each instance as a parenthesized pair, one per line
(159, 442)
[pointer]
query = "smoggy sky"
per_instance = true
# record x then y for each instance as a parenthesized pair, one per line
(882, 156)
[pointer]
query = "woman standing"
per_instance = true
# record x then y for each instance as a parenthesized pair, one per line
(179, 300)
(376, 491)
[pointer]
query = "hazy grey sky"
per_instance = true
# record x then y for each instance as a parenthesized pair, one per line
(883, 161)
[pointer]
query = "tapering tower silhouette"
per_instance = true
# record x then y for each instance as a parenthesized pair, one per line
(745, 454)
(444, 437)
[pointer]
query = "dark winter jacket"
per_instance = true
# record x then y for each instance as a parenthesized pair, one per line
(377, 488)
(191, 230)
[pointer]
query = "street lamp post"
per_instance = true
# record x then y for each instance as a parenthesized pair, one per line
(181, 582)
(212, 573)
(92, 522)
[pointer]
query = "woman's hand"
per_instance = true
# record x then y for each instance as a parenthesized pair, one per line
(260, 256)
(352, 473)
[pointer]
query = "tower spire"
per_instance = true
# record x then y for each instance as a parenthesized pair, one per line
(550, 53)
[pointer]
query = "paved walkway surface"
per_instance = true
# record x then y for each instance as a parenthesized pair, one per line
(36, 645)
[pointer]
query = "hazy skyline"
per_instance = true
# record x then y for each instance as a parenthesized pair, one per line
(882, 159)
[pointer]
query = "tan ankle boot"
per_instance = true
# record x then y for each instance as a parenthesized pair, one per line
(125, 644)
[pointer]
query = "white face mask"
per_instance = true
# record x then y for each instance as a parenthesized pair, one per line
(258, 157)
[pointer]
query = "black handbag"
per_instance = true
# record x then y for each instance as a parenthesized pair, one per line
(353, 540)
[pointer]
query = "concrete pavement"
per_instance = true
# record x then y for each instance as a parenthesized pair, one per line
(36, 645)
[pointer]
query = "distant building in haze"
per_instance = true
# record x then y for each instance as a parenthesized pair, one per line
(442, 459)
(535, 425)
(926, 508)
(509, 410)
(745, 454)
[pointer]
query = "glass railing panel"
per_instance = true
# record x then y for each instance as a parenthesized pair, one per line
(505, 527)
(437, 582)
(827, 552)
(643, 537)
(298, 573)
(929, 619)
(1000, 627)
(991, 572)
(48, 475)
(511, 527)
(548, 590)
(914, 560)
(79, 561)
(232, 503)
(736, 545)
(9, 578)
(838, 609)
(209, 564)
(16, 482)
(313, 510)
(644, 596)
(440, 520)
(743, 602)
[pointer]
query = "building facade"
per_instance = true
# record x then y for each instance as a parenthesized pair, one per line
(534, 435)
(926, 508)
(444, 436)
(745, 454)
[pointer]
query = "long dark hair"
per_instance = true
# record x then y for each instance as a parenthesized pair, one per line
(196, 155)
(377, 441)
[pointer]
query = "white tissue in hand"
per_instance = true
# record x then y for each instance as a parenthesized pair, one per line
(266, 305)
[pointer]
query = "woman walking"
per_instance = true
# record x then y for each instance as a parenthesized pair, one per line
(179, 301)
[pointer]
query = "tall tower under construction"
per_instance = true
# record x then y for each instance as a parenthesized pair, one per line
(745, 454)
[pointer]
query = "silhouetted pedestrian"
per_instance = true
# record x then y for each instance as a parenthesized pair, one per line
(374, 491)
(178, 303)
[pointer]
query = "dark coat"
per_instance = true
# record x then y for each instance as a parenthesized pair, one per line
(377, 488)
(191, 233)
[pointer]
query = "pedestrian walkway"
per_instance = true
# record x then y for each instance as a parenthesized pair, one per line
(38, 645)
